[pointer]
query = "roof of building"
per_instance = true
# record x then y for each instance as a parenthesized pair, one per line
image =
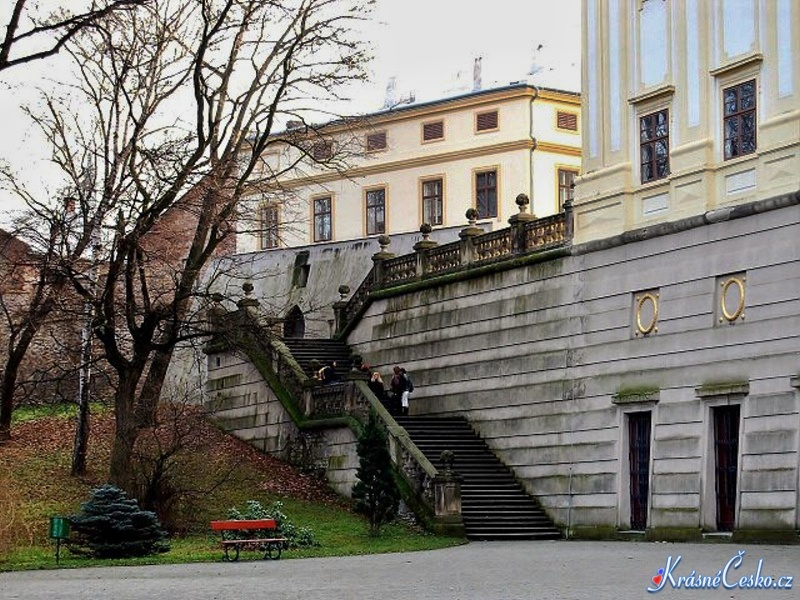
(523, 87)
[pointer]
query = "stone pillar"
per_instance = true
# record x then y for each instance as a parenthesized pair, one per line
(517, 223)
(216, 312)
(447, 498)
(422, 247)
(248, 307)
(379, 257)
(569, 222)
(339, 308)
(466, 235)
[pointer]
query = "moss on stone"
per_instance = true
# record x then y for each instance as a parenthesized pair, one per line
(766, 536)
(675, 534)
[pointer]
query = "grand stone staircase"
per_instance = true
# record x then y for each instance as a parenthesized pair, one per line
(493, 504)
(305, 350)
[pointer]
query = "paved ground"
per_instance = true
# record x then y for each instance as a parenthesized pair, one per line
(477, 571)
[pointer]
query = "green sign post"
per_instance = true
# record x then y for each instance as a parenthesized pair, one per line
(59, 530)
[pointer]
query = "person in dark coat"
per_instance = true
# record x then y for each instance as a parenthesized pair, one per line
(376, 386)
(327, 374)
(399, 388)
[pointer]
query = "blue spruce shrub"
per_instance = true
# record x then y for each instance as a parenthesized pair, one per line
(111, 525)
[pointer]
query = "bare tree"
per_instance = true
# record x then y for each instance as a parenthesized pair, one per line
(185, 96)
(32, 34)
(32, 282)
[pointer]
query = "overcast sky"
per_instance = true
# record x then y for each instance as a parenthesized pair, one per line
(429, 46)
(426, 43)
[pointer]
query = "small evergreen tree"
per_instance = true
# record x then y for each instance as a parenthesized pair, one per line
(111, 525)
(376, 493)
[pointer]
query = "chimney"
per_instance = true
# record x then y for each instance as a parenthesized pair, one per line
(476, 74)
(391, 93)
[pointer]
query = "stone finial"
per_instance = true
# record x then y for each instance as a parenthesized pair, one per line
(425, 243)
(472, 229)
(447, 457)
(248, 305)
(383, 254)
(522, 217)
(343, 291)
(523, 201)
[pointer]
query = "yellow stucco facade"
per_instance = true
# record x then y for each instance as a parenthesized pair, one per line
(721, 77)
(437, 155)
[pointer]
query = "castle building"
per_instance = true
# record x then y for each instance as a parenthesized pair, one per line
(688, 107)
(634, 359)
(390, 171)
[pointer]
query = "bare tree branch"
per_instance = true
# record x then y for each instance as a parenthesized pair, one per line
(53, 31)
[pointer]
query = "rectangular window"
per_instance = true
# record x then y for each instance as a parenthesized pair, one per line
(486, 121)
(433, 131)
(376, 211)
(432, 201)
(322, 151)
(486, 194)
(268, 229)
(322, 219)
(654, 145)
(566, 177)
(376, 141)
(739, 114)
(567, 120)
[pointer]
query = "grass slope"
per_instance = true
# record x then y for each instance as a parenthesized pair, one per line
(216, 472)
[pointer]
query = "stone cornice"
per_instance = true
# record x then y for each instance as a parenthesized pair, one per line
(714, 216)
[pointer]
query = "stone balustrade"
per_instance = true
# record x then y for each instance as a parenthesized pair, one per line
(525, 235)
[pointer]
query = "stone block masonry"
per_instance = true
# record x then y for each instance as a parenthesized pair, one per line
(550, 360)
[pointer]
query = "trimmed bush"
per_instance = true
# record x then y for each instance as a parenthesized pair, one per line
(298, 537)
(111, 525)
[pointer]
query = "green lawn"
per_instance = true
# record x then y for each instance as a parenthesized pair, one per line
(35, 484)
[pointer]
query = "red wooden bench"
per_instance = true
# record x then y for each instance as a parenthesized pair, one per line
(235, 537)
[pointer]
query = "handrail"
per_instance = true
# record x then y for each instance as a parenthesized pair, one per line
(344, 404)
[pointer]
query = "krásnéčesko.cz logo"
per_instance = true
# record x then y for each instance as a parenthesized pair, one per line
(728, 577)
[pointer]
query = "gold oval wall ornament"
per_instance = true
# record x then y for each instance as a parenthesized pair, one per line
(651, 326)
(732, 316)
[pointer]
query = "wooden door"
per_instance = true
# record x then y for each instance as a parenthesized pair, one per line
(726, 460)
(639, 461)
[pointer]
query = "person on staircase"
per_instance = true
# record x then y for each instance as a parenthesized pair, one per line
(401, 389)
(377, 387)
(327, 374)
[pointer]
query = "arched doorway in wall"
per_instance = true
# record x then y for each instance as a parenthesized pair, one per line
(294, 324)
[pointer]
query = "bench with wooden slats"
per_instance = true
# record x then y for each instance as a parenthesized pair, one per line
(235, 537)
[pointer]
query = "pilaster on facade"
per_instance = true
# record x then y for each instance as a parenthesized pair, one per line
(721, 78)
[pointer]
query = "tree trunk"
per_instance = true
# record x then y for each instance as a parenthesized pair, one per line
(9, 383)
(122, 472)
(151, 389)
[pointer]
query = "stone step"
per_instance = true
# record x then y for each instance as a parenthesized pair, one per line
(494, 505)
